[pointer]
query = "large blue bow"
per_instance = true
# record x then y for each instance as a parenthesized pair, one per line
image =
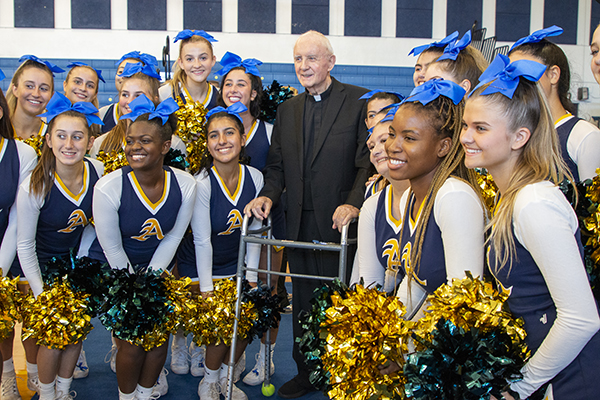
(434, 88)
(442, 43)
(451, 51)
(80, 64)
(230, 61)
(370, 94)
(146, 58)
(505, 75)
(54, 68)
(59, 104)
(2, 76)
(392, 109)
(537, 36)
(131, 69)
(235, 109)
(142, 105)
(186, 34)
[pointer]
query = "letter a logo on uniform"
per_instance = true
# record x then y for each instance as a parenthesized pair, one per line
(77, 218)
(151, 227)
(234, 221)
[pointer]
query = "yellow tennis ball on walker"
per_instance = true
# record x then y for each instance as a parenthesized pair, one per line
(268, 390)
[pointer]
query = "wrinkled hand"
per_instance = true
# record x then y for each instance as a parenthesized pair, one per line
(343, 215)
(260, 207)
(371, 179)
(388, 368)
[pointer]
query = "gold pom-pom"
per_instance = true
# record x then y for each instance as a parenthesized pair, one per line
(469, 303)
(179, 298)
(191, 120)
(10, 305)
(215, 316)
(112, 161)
(58, 317)
(35, 141)
(488, 189)
(365, 329)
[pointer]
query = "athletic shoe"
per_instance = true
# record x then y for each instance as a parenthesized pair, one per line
(236, 392)
(68, 396)
(81, 368)
(239, 368)
(111, 357)
(180, 363)
(9, 386)
(256, 376)
(208, 391)
(162, 386)
(33, 382)
(197, 359)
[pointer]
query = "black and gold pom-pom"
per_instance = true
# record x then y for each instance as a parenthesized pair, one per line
(267, 307)
(11, 300)
(273, 96)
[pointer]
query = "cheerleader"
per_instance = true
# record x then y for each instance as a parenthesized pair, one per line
(110, 114)
(224, 188)
(443, 217)
(81, 83)
(579, 140)
(427, 54)
(535, 252)
(460, 63)
(376, 101)
(195, 61)
(151, 207)
(241, 83)
(17, 160)
(53, 207)
(30, 89)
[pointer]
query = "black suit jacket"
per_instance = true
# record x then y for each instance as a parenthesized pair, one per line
(339, 168)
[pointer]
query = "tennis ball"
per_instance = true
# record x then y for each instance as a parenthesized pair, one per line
(268, 390)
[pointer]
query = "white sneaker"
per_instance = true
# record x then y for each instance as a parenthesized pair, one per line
(208, 391)
(239, 368)
(256, 376)
(180, 363)
(68, 396)
(81, 368)
(33, 382)
(162, 386)
(111, 357)
(236, 392)
(197, 359)
(9, 386)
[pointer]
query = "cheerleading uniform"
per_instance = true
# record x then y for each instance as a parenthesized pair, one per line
(176, 144)
(17, 160)
(167, 91)
(53, 225)
(548, 287)
(110, 116)
(378, 248)
(580, 146)
(216, 227)
(149, 232)
(372, 186)
(453, 243)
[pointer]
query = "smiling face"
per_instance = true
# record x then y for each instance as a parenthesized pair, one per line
(144, 147)
(423, 62)
(313, 62)
(224, 140)
(131, 90)
(376, 146)
(69, 139)
(81, 85)
(196, 59)
(33, 90)
(237, 87)
(414, 148)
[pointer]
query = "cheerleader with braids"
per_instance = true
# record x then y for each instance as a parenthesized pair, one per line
(579, 140)
(17, 160)
(149, 207)
(535, 253)
(53, 207)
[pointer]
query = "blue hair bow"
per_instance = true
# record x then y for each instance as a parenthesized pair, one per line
(370, 94)
(538, 35)
(80, 64)
(505, 75)
(442, 43)
(54, 68)
(451, 51)
(392, 109)
(235, 109)
(146, 58)
(131, 69)
(59, 104)
(186, 34)
(142, 105)
(230, 61)
(434, 88)
(2, 76)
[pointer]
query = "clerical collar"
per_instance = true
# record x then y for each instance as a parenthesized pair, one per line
(323, 96)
